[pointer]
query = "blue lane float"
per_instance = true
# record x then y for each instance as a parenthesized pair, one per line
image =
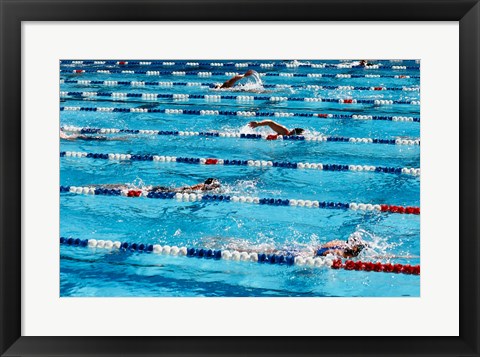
(230, 74)
(237, 162)
(413, 65)
(286, 258)
(207, 198)
(110, 83)
(280, 258)
(241, 98)
(309, 138)
(178, 111)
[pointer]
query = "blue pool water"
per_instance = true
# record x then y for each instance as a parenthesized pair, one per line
(222, 225)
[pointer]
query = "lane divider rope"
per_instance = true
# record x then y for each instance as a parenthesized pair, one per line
(87, 82)
(376, 267)
(238, 65)
(252, 163)
(240, 98)
(192, 197)
(231, 74)
(234, 255)
(270, 137)
(240, 113)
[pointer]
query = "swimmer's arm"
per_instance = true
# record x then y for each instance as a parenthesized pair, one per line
(64, 136)
(231, 82)
(333, 243)
(279, 129)
(197, 187)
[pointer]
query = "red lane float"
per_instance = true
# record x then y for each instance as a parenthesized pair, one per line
(211, 161)
(400, 209)
(134, 193)
(272, 137)
(377, 267)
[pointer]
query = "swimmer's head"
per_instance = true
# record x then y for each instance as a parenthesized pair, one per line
(211, 183)
(355, 244)
(354, 251)
(297, 131)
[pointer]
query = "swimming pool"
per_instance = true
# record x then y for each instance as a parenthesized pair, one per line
(361, 145)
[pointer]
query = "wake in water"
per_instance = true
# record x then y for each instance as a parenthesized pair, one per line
(247, 188)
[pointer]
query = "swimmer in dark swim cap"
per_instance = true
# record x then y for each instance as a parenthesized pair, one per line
(209, 184)
(276, 127)
(349, 249)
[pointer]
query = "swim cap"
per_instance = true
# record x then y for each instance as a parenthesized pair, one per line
(355, 239)
(297, 131)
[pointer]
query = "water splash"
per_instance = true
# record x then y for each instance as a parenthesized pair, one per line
(252, 83)
(297, 63)
(256, 78)
(138, 183)
(241, 187)
(379, 248)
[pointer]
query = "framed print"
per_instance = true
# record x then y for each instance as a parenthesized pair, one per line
(236, 178)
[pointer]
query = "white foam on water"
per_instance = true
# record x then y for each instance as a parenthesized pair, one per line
(241, 188)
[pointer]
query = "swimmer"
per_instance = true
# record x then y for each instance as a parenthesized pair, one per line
(336, 248)
(209, 184)
(365, 63)
(231, 82)
(340, 249)
(278, 128)
(73, 137)
(349, 249)
(361, 63)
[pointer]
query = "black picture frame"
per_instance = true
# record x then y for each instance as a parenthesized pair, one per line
(13, 12)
